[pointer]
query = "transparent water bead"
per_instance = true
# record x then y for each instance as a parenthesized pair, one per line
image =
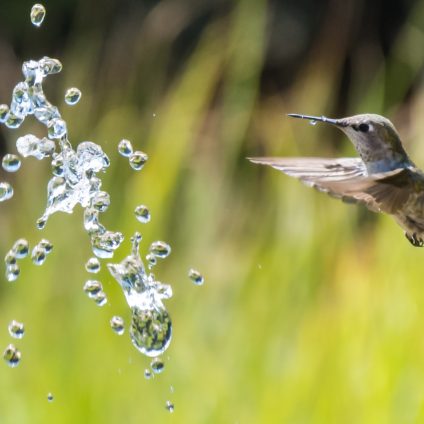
(93, 265)
(169, 406)
(12, 272)
(11, 163)
(46, 245)
(125, 148)
(313, 122)
(38, 13)
(38, 255)
(50, 397)
(72, 96)
(142, 214)
(10, 258)
(92, 288)
(6, 191)
(151, 260)
(148, 374)
(157, 365)
(16, 329)
(104, 244)
(100, 298)
(160, 249)
(4, 110)
(196, 277)
(151, 326)
(12, 356)
(117, 324)
(137, 160)
(20, 248)
(57, 128)
(31, 145)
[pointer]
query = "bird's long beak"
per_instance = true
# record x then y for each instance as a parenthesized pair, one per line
(313, 119)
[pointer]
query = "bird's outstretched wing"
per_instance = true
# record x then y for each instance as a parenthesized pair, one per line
(347, 179)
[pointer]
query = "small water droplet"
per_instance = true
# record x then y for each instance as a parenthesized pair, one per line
(38, 13)
(6, 191)
(196, 277)
(12, 356)
(41, 222)
(38, 255)
(12, 272)
(170, 406)
(147, 374)
(92, 288)
(313, 122)
(137, 160)
(151, 259)
(100, 298)
(21, 248)
(50, 397)
(16, 329)
(117, 324)
(72, 96)
(157, 365)
(160, 249)
(93, 265)
(46, 245)
(10, 258)
(171, 389)
(125, 148)
(11, 163)
(142, 214)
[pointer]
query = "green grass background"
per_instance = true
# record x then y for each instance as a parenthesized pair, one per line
(312, 311)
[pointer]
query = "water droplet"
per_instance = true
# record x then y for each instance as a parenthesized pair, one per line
(57, 128)
(10, 258)
(196, 277)
(38, 12)
(13, 121)
(151, 259)
(12, 356)
(38, 255)
(41, 223)
(100, 298)
(50, 397)
(72, 96)
(160, 249)
(147, 374)
(31, 145)
(142, 214)
(117, 324)
(313, 122)
(6, 191)
(157, 365)
(171, 389)
(20, 248)
(92, 288)
(137, 160)
(46, 245)
(93, 265)
(4, 110)
(151, 330)
(170, 406)
(12, 272)
(101, 201)
(16, 329)
(11, 163)
(104, 244)
(125, 148)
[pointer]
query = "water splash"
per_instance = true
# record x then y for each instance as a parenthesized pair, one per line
(151, 326)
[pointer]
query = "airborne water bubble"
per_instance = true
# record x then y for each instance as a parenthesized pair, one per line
(160, 249)
(93, 265)
(92, 288)
(12, 272)
(12, 356)
(196, 277)
(100, 298)
(16, 329)
(157, 365)
(38, 255)
(72, 96)
(50, 397)
(6, 191)
(117, 324)
(137, 160)
(11, 163)
(142, 214)
(21, 248)
(38, 13)
(125, 148)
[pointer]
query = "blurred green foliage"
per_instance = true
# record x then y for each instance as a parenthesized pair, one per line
(311, 311)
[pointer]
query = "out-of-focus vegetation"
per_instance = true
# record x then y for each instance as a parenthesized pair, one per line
(312, 311)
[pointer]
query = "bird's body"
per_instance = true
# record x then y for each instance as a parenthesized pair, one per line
(384, 178)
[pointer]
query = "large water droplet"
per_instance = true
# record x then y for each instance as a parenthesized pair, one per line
(72, 96)
(93, 265)
(142, 214)
(16, 329)
(12, 356)
(160, 249)
(38, 13)
(157, 365)
(11, 163)
(6, 191)
(151, 330)
(196, 277)
(92, 288)
(170, 406)
(137, 160)
(125, 148)
(117, 324)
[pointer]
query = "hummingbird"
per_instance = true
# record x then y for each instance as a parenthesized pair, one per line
(383, 177)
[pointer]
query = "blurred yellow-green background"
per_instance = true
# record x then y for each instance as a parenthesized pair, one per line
(312, 311)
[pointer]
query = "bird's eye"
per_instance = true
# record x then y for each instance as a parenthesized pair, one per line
(364, 128)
